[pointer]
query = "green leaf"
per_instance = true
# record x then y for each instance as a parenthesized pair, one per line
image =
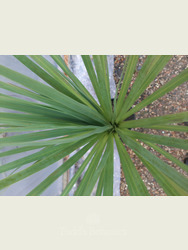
(91, 168)
(49, 92)
(107, 164)
(102, 74)
(68, 114)
(151, 68)
(49, 127)
(58, 153)
(136, 186)
(43, 135)
(45, 76)
(15, 119)
(131, 67)
(172, 84)
(64, 140)
(61, 170)
(56, 74)
(154, 121)
(65, 114)
(79, 171)
(163, 140)
(168, 127)
(67, 117)
(75, 81)
(91, 72)
(169, 186)
(100, 184)
(168, 156)
(171, 173)
(18, 151)
(27, 159)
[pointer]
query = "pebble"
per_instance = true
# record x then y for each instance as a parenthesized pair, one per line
(173, 102)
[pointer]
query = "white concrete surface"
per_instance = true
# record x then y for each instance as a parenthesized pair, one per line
(25, 186)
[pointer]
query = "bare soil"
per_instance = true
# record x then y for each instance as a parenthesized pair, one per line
(173, 102)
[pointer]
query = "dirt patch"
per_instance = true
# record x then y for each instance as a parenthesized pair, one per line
(173, 102)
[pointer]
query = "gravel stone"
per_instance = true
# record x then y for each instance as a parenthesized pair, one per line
(173, 102)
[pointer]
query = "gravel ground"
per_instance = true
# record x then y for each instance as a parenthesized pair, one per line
(173, 102)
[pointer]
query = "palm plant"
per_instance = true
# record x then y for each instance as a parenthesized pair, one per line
(69, 118)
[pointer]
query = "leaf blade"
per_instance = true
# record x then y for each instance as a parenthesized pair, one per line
(136, 186)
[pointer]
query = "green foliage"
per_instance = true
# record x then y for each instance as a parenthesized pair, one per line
(69, 118)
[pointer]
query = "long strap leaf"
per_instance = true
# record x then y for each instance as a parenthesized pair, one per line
(91, 168)
(169, 186)
(163, 140)
(104, 164)
(131, 66)
(51, 93)
(36, 136)
(79, 171)
(77, 84)
(18, 150)
(168, 156)
(100, 184)
(103, 79)
(108, 165)
(168, 127)
(157, 163)
(36, 167)
(58, 76)
(172, 84)
(47, 77)
(151, 68)
(136, 186)
(61, 170)
(154, 121)
(16, 119)
(64, 140)
(91, 72)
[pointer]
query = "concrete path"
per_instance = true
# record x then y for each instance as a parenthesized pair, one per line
(26, 185)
